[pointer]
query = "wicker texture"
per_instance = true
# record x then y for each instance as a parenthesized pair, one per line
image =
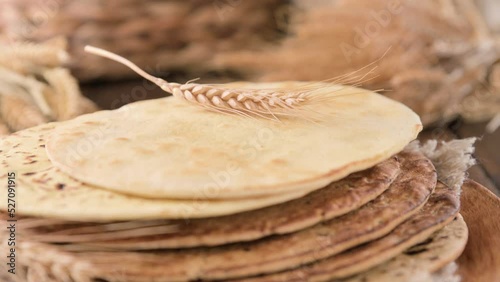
(158, 35)
(439, 62)
(436, 52)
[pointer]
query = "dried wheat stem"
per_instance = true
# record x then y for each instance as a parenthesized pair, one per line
(17, 66)
(34, 87)
(17, 109)
(493, 124)
(43, 262)
(473, 15)
(49, 54)
(66, 90)
(246, 102)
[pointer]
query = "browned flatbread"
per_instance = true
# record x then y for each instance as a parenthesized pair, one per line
(336, 199)
(441, 208)
(425, 261)
(406, 195)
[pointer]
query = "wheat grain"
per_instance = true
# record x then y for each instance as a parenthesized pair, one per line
(267, 103)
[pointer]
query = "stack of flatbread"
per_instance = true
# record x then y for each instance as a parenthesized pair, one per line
(164, 190)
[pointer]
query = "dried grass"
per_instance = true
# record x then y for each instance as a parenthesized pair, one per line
(66, 92)
(34, 89)
(156, 34)
(440, 51)
(452, 159)
(18, 109)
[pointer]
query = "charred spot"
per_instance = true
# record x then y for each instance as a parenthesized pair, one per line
(60, 186)
(413, 252)
(429, 240)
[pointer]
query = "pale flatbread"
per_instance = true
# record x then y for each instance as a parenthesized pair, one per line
(420, 261)
(166, 148)
(44, 191)
(336, 199)
(442, 207)
(404, 197)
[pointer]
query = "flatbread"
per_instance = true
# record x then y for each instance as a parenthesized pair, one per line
(442, 207)
(44, 191)
(336, 199)
(404, 197)
(420, 261)
(167, 148)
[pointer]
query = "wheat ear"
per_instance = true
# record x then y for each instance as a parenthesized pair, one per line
(268, 103)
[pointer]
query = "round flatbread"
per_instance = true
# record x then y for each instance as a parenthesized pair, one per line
(405, 196)
(442, 207)
(334, 200)
(167, 148)
(44, 191)
(420, 261)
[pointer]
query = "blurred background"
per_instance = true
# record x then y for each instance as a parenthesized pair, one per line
(440, 57)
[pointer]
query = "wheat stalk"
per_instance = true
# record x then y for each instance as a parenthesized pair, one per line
(66, 91)
(269, 103)
(50, 53)
(18, 109)
(34, 87)
(266, 103)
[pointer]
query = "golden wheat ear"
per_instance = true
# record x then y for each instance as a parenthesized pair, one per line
(267, 103)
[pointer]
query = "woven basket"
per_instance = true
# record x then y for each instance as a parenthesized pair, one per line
(157, 35)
